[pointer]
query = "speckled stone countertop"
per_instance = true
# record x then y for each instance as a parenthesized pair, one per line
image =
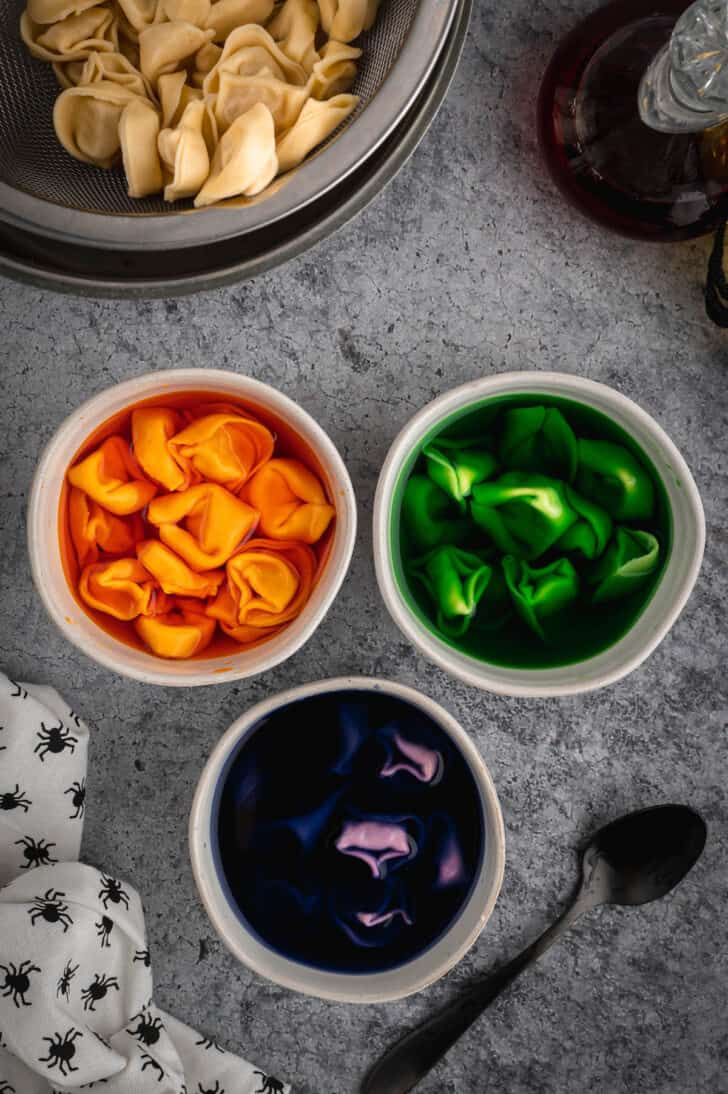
(469, 264)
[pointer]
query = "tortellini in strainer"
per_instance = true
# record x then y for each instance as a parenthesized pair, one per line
(199, 99)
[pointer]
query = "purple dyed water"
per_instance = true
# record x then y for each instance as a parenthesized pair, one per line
(350, 831)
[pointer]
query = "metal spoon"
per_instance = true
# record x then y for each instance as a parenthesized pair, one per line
(634, 860)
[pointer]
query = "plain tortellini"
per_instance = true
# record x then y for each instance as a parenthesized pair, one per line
(201, 99)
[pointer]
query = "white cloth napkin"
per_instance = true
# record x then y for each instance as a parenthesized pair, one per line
(75, 973)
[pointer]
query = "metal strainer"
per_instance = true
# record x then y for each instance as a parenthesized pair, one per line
(45, 190)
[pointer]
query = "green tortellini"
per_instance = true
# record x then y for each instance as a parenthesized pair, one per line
(538, 438)
(456, 582)
(429, 515)
(515, 531)
(456, 466)
(590, 533)
(523, 512)
(539, 592)
(629, 561)
(610, 475)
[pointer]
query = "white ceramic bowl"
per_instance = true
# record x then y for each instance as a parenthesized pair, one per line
(668, 599)
(347, 988)
(45, 557)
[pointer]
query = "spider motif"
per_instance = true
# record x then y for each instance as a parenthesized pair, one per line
(112, 890)
(5, 1087)
(216, 1089)
(271, 1085)
(74, 718)
(17, 981)
(36, 854)
(104, 927)
(143, 956)
(55, 740)
(97, 990)
(15, 799)
(61, 1050)
(18, 692)
(149, 1062)
(148, 1030)
(207, 1043)
(51, 908)
(78, 801)
(64, 984)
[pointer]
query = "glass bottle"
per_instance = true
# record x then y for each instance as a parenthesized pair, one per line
(632, 117)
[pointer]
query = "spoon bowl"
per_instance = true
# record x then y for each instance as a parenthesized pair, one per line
(640, 857)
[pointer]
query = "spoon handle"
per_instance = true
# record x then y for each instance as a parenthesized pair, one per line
(412, 1057)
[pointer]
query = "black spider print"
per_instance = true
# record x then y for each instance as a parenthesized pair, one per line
(55, 740)
(17, 981)
(36, 854)
(97, 990)
(149, 1029)
(74, 718)
(78, 801)
(112, 890)
(64, 983)
(144, 956)
(5, 1087)
(103, 929)
(216, 1089)
(270, 1085)
(51, 908)
(101, 1040)
(207, 1043)
(18, 692)
(15, 799)
(149, 1062)
(61, 1050)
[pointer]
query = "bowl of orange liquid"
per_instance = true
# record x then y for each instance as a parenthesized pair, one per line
(190, 527)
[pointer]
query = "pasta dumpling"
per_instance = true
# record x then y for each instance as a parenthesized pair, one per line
(245, 159)
(291, 501)
(181, 632)
(223, 447)
(94, 529)
(121, 588)
(174, 575)
(174, 95)
(111, 476)
(239, 94)
(163, 47)
(185, 151)
(294, 29)
(267, 584)
(138, 132)
(344, 20)
(203, 525)
(187, 11)
(86, 121)
(73, 38)
(315, 122)
(335, 71)
(227, 15)
(250, 51)
(55, 11)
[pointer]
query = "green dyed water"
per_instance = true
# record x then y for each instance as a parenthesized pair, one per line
(581, 629)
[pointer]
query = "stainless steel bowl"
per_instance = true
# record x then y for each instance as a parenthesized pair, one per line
(89, 271)
(45, 191)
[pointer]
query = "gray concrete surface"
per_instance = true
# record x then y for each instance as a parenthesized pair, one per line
(467, 265)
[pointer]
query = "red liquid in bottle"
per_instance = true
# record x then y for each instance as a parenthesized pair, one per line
(603, 158)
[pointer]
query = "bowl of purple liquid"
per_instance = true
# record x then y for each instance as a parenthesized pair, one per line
(347, 841)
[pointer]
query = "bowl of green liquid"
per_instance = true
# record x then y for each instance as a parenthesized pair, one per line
(536, 533)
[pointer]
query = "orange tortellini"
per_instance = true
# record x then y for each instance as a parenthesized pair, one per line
(291, 501)
(209, 100)
(161, 517)
(268, 582)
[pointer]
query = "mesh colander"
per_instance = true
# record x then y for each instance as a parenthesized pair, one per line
(44, 189)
